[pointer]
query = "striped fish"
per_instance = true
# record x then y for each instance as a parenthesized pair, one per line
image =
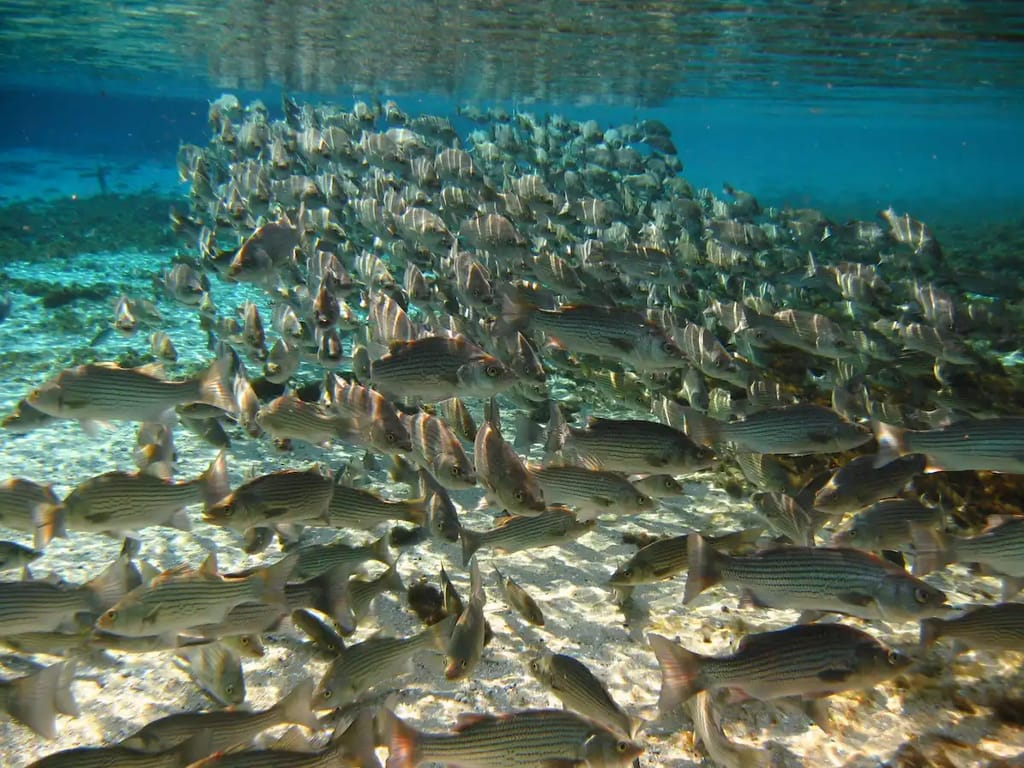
(364, 510)
(364, 665)
(794, 430)
(338, 557)
(859, 483)
(990, 627)
(808, 660)
(288, 495)
(627, 445)
(518, 532)
(580, 691)
(437, 449)
(182, 597)
(107, 392)
(122, 502)
(667, 557)
(435, 368)
(887, 525)
(507, 483)
(289, 418)
(526, 739)
(227, 728)
(708, 731)
(1000, 548)
(591, 491)
(990, 445)
(844, 581)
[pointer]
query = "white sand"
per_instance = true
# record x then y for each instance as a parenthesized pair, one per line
(121, 693)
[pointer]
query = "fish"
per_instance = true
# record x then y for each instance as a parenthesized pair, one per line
(843, 581)
(226, 728)
(24, 419)
(102, 757)
(375, 419)
(435, 368)
(793, 430)
(288, 417)
(859, 483)
(611, 333)
(515, 533)
(1000, 548)
(436, 449)
(592, 492)
(628, 446)
(466, 643)
(120, 502)
(36, 699)
(362, 593)
(14, 556)
(99, 392)
(287, 495)
(365, 665)
(364, 510)
(807, 660)
(217, 670)
(887, 525)
(185, 284)
(707, 729)
(657, 486)
(524, 739)
(162, 347)
(321, 629)
(184, 597)
(668, 557)
(338, 556)
(283, 361)
(988, 627)
(33, 508)
(35, 605)
(519, 599)
(990, 445)
(507, 483)
(788, 517)
(580, 691)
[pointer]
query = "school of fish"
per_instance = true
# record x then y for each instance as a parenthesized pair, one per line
(544, 317)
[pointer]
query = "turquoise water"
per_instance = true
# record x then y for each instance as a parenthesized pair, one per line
(844, 108)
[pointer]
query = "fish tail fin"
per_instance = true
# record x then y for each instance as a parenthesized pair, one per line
(931, 630)
(361, 366)
(471, 542)
(35, 700)
(476, 584)
(50, 521)
(1011, 586)
(931, 549)
(418, 510)
(514, 316)
(270, 581)
(213, 483)
(215, 385)
(295, 707)
(703, 570)
(403, 742)
(381, 549)
(680, 672)
(891, 441)
(113, 583)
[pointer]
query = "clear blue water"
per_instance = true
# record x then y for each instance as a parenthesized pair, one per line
(847, 107)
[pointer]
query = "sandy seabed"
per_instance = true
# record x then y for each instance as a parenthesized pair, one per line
(944, 701)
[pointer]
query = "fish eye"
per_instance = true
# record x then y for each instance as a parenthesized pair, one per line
(244, 640)
(921, 595)
(229, 689)
(492, 371)
(622, 747)
(642, 500)
(390, 436)
(327, 695)
(111, 615)
(628, 573)
(519, 495)
(668, 347)
(894, 658)
(456, 471)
